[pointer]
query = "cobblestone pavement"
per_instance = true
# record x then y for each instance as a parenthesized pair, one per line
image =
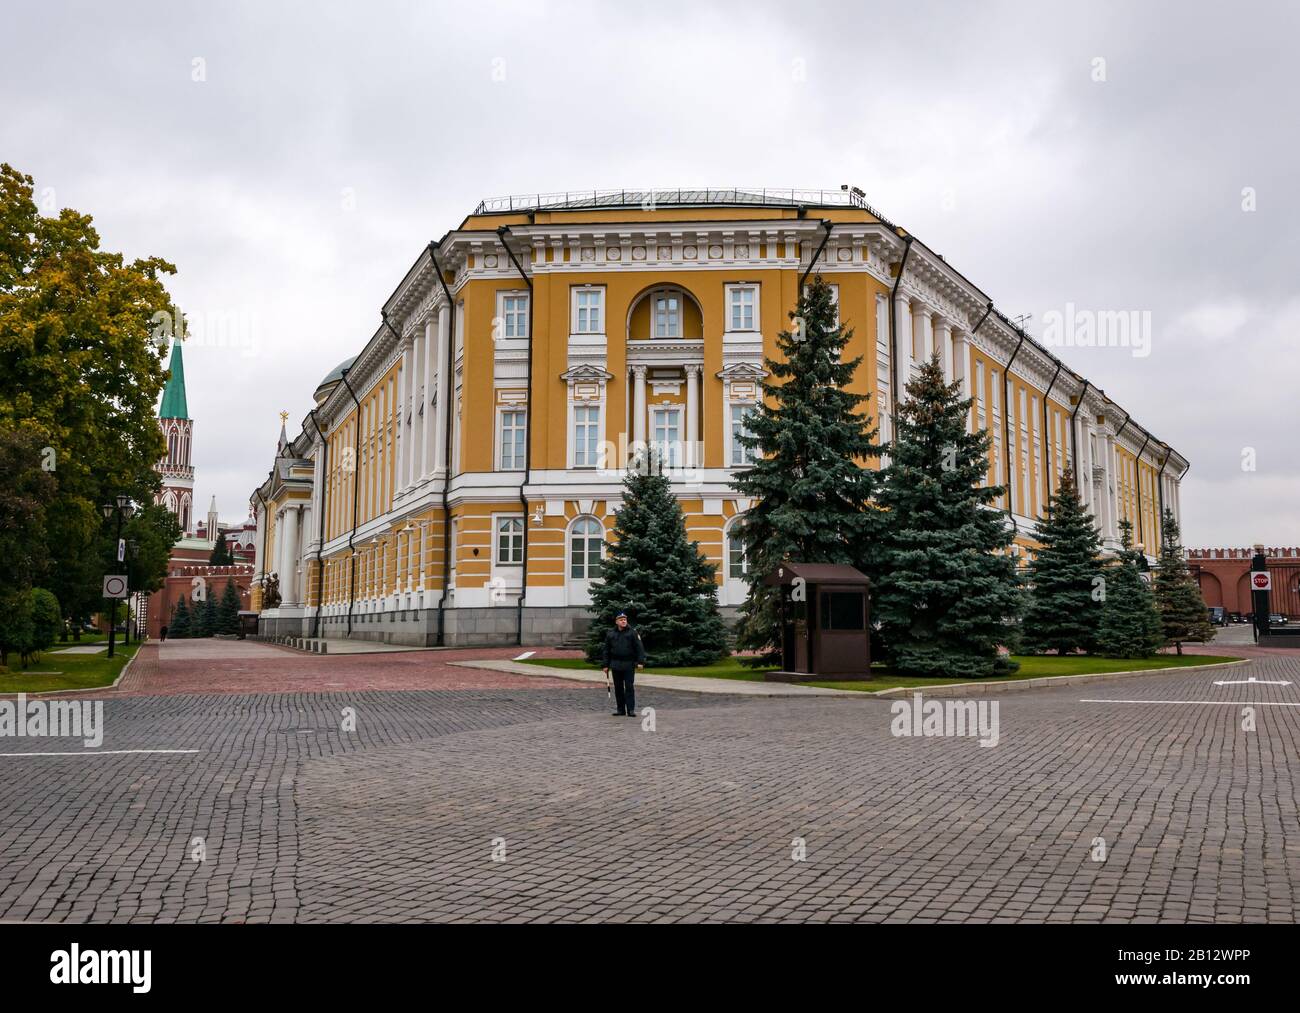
(598, 819)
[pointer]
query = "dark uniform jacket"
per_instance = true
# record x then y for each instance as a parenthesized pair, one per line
(623, 649)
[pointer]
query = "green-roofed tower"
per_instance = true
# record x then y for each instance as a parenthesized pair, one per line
(177, 492)
(173, 399)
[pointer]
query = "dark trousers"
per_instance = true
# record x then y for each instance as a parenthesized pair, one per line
(624, 691)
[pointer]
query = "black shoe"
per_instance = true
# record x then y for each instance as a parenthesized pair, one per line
(631, 714)
(618, 714)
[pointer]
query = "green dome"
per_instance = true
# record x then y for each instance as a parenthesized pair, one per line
(335, 374)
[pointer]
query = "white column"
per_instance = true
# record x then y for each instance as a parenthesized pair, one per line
(410, 468)
(428, 429)
(257, 545)
(943, 342)
(692, 413)
(903, 353)
(638, 405)
(403, 388)
(923, 331)
(288, 576)
(1108, 484)
(278, 563)
(440, 416)
(961, 361)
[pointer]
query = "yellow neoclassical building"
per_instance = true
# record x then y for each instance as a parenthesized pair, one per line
(456, 479)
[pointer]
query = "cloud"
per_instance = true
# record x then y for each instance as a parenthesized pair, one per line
(982, 129)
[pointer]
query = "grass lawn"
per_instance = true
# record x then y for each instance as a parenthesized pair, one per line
(1031, 667)
(75, 671)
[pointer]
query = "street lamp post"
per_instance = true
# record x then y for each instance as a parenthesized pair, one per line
(122, 509)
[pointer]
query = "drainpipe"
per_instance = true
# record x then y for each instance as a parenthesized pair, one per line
(1137, 471)
(502, 234)
(893, 329)
(320, 537)
(827, 225)
(1006, 421)
(1047, 443)
(356, 498)
(446, 450)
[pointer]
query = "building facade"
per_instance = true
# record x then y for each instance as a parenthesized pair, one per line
(456, 480)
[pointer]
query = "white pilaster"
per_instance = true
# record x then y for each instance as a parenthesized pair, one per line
(428, 430)
(692, 414)
(439, 430)
(638, 405)
(903, 351)
(403, 392)
(943, 342)
(289, 575)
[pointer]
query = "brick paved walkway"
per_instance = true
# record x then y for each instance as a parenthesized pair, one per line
(600, 820)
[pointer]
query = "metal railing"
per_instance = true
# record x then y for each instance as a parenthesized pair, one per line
(651, 198)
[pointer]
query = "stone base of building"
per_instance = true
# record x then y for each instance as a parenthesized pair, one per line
(462, 627)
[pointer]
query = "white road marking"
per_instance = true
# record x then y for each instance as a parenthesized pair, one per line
(525, 655)
(106, 752)
(1207, 703)
(1252, 679)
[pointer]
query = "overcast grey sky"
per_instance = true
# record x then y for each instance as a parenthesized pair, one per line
(325, 144)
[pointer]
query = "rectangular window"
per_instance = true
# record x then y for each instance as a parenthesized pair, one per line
(589, 311)
(668, 315)
(668, 435)
(741, 455)
(842, 610)
(586, 435)
(512, 439)
(514, 316)
(510, 541)
(742, 308)
(736, 566)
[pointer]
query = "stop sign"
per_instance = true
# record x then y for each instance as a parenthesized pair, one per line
(1261, 581)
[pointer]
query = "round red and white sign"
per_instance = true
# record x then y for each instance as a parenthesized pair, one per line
(1261, 581)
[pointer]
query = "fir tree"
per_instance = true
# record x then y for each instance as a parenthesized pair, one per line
(1178, 597)
(1063, 606)
(947, 595)
(221, 554)
(1130, 624)
(228, 610)
(809, 485)
(208, 622)
(655, 574)
(180, 624)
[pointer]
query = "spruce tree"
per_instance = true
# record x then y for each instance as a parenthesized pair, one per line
(1178, 597)
(810, 486)
(1063, 605)
(208, 622)
(658, 576)
(228, 610)
(180, 624)
(221, 554)
(1130, 624)
(947, 593)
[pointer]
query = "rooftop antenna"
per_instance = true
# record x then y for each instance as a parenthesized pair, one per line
(1021, 319)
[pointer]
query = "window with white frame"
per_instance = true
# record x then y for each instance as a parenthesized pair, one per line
(743, 299)
(741, 455)
(737, 564)
(667, 314)
(589, 311)
(514, 315)
(586, 549)
(586, 435)
(510, 541)
(668, 435)
(513, 433)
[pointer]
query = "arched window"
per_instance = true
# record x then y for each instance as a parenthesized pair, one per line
(586, 549)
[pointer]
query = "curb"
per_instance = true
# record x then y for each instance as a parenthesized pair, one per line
(1045, 682)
